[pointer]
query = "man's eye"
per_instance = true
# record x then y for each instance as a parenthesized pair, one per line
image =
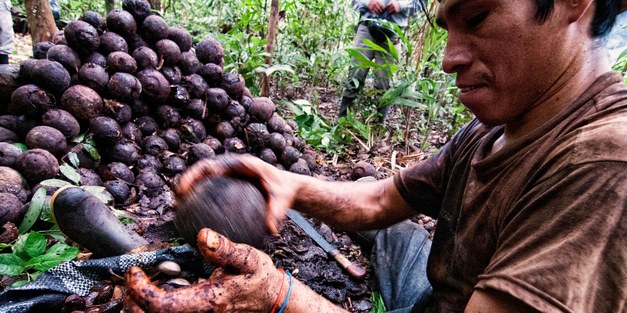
(475, 20)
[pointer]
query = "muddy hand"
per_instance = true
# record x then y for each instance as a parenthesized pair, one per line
(245, 281)
(273, 183)
(150, 298)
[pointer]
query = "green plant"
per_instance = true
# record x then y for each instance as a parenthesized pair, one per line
(30, 257)
(315, 129)
(74, 9)
(377, 302)
(621, 64)
(427, 96)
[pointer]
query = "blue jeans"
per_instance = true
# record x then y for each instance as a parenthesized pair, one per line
(399, 257)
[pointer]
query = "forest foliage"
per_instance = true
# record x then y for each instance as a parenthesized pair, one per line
(312, 57)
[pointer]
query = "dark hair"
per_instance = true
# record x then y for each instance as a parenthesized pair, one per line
(604, 14)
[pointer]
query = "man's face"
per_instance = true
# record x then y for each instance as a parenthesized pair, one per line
(505, 61)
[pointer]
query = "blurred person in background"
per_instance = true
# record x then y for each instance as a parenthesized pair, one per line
(6, 31)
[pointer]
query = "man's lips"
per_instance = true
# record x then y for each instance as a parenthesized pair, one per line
(467, 88)
(471, 93)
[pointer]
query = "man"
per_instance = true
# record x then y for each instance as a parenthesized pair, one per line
(393, 11)
(6, 31)
(530, 197)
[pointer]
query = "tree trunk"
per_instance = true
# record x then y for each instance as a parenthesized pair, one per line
(155, 4)
(273, 22)
(424, 30)
(40, 20)
(109, 5)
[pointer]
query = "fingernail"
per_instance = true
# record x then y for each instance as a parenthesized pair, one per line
(212, 241)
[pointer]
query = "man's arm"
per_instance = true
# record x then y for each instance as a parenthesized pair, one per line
(489, 301)
(245, 280)
(347, 205)
(351, 205)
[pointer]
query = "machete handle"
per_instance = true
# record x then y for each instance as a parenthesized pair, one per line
(353, 269)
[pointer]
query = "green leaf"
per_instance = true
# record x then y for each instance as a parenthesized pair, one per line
(363, 61)
(35, 244)
(92, 151)
(79, 138)
(123, 216)
(73, 157)
(22, 146)
(406, 102)
(53, 182)
(100, 193)
(392, 49)
(18, 246)
(279, 67)
(63, 251)
(55, 233)
(19, 283)
(70, 173)
(4, 246)
(46, 213)
(56, 254)
(11, 264)
(292, 106)
(34, 210)
(374, 46)
(378, 306)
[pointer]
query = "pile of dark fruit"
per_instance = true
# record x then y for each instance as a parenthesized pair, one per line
(127, 103)
(138, 91)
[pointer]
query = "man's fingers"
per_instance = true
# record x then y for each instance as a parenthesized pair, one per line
(393, 7)
(196, 298)
(230, 165)
(375, 6)
(192, 175)
(221, 251)
(275, 214)
(130, 306)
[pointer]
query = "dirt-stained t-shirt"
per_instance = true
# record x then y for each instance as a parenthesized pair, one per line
(542, 219)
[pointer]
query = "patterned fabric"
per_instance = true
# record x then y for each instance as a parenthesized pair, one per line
(51, 288)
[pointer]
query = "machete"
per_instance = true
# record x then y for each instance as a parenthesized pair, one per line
(353, 269)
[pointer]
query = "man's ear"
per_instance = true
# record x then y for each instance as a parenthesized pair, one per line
(578, 9)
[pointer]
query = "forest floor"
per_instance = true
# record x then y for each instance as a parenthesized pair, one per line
(292, 249)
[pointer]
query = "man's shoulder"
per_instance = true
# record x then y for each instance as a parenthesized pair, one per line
(601, 136)
(604, 139)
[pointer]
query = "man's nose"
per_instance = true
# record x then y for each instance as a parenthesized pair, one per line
(456, 55)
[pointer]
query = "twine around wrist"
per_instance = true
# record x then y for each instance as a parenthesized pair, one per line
(289, 291)
(276, 303)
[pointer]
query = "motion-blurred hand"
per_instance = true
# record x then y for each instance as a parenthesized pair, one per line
(375, 6)
(245, 281)
(276, 185)
(393, 7)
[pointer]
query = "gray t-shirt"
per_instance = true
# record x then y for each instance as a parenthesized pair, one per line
(543, 219)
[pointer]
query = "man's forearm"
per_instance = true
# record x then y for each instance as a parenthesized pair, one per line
(352, 205)
(304, 300)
